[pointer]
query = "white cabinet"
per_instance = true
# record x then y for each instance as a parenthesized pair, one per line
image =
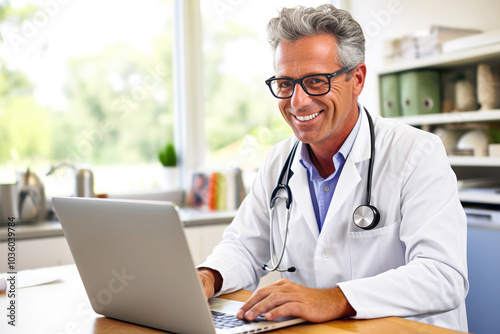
(201, 241)
(37, 253)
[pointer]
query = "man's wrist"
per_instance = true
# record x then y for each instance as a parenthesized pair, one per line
(345, 308)
(213, 275)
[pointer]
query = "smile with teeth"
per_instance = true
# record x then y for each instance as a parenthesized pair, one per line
(308, 117)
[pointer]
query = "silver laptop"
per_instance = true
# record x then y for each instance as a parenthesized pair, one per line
(136, 266)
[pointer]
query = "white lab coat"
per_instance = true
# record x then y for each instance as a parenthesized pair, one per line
(413, 264)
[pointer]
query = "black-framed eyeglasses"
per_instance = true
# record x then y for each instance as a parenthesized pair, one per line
(314, 85)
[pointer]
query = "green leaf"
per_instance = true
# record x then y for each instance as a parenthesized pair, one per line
(167, 155)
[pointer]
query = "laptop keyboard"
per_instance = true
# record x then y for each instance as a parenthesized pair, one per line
(224, 320)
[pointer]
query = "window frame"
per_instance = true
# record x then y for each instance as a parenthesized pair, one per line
(188, 98)
(189, 113)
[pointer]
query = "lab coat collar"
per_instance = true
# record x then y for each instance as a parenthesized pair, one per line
(361, 148)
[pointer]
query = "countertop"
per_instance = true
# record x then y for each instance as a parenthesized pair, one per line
(190, 217)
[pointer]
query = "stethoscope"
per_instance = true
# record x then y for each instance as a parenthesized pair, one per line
(366, 216)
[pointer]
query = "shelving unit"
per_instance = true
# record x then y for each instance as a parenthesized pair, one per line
(482, 237)
(464, 166)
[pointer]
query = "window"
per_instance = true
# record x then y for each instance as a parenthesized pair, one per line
(86, 82)
(242, 120)
(91, 83)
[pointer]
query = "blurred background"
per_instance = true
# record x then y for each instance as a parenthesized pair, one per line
(101, 89)
(93, 83)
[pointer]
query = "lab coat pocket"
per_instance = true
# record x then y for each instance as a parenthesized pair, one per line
(375, 251)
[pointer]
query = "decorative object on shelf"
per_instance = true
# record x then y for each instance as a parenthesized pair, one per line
(31, 197)
(475, 140)
(420, 92)
(494, 150)
(485, 87)
(465, 97)
(389, 95)
(84, 183)
(197, 197)
(449, 138)
(168, 159)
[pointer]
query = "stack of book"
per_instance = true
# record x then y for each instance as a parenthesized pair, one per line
(424, 43)
(217, 190)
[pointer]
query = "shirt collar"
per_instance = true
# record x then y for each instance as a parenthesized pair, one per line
(340, 157)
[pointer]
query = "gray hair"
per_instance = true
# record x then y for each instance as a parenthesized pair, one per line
(294, 23)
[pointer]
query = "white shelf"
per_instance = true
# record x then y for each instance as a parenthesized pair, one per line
(452, 117)
(470, 161)
(476, 197)
(464, 57)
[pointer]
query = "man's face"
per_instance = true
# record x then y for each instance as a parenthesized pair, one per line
(322, 121)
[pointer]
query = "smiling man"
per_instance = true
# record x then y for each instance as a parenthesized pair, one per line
(360, 214)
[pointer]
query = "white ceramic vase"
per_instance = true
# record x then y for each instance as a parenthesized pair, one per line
(170, 178)
(465, 99)
(485, 87)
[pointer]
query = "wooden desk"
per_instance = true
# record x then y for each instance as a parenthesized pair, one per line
(63, 307)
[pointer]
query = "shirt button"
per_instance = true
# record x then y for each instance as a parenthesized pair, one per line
(325, 253)
(326, 188)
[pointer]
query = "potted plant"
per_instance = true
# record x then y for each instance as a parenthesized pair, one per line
(168, 159)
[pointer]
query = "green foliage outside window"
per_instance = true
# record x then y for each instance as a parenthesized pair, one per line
(119, 104)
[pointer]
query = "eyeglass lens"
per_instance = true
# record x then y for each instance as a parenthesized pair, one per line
(313, 85)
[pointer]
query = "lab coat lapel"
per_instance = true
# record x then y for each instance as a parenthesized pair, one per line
(350, 176)
(348, 181)
(302, 196)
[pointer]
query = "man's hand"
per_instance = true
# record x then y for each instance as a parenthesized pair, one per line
(285, 298)
(211, 280)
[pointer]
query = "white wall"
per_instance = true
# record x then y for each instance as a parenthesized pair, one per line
(387, 19)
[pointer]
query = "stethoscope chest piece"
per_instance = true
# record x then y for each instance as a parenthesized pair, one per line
(366, 216)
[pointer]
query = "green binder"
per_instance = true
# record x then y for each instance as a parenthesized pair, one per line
(420, 92)
(389, 95)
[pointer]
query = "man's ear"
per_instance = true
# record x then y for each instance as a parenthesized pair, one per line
(359, 75)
